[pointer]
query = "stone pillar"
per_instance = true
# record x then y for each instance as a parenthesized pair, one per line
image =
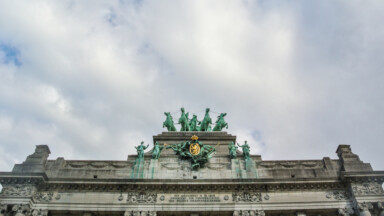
(301, 214)
(152, 171)
(236, 169)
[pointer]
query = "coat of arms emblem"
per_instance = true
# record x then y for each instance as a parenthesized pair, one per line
(195, 150)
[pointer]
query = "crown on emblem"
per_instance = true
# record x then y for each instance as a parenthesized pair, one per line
(194, 137)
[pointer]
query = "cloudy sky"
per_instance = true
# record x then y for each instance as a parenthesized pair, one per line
(93, 78)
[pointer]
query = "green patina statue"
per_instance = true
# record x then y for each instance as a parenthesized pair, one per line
(140, 150)
(169, 122)
(193, 124)
(156, 151)
(220, 123)
(246, 151)
(183, 120)
(205, 124)
(196, 151)
(232, 150)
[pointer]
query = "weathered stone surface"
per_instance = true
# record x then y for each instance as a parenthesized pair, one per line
(168, 185)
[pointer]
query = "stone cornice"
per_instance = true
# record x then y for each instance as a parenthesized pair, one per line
(367, 176)
(22, 178)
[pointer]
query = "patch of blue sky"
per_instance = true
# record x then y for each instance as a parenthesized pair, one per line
(111, 17)
(257, 136)
(11, 54)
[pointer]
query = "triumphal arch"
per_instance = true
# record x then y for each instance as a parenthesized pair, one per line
(198, 171)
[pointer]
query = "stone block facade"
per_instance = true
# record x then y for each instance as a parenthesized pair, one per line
(169, 186)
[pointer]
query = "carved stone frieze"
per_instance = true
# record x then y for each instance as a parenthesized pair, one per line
(247, 197)
(43, 196)
(337, 195)
(142, 197)
(17, 190)
(347, 211)
(371, 188)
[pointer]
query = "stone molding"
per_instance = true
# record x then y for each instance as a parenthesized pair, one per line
(189, 186)
(249, 213)
(139, 213)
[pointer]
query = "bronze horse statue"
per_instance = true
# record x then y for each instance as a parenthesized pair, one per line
(168, 123)
(220, 123)
(183, 120)
(205, 124)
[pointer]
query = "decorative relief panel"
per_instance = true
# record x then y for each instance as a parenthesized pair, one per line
(247, 197)
(142, 197)
(97, 164)
(290, 164)
(217, 166)
(17, 190)
(367, 189)
(337, 195)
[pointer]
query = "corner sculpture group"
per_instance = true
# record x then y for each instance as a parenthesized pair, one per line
(194, 124)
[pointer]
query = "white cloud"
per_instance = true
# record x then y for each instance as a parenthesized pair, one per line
(295, 79)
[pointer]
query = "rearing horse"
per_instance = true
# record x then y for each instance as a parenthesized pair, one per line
(205, 124)
(193, 124)
(220, 123)
(169, 122)
(183, 120)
